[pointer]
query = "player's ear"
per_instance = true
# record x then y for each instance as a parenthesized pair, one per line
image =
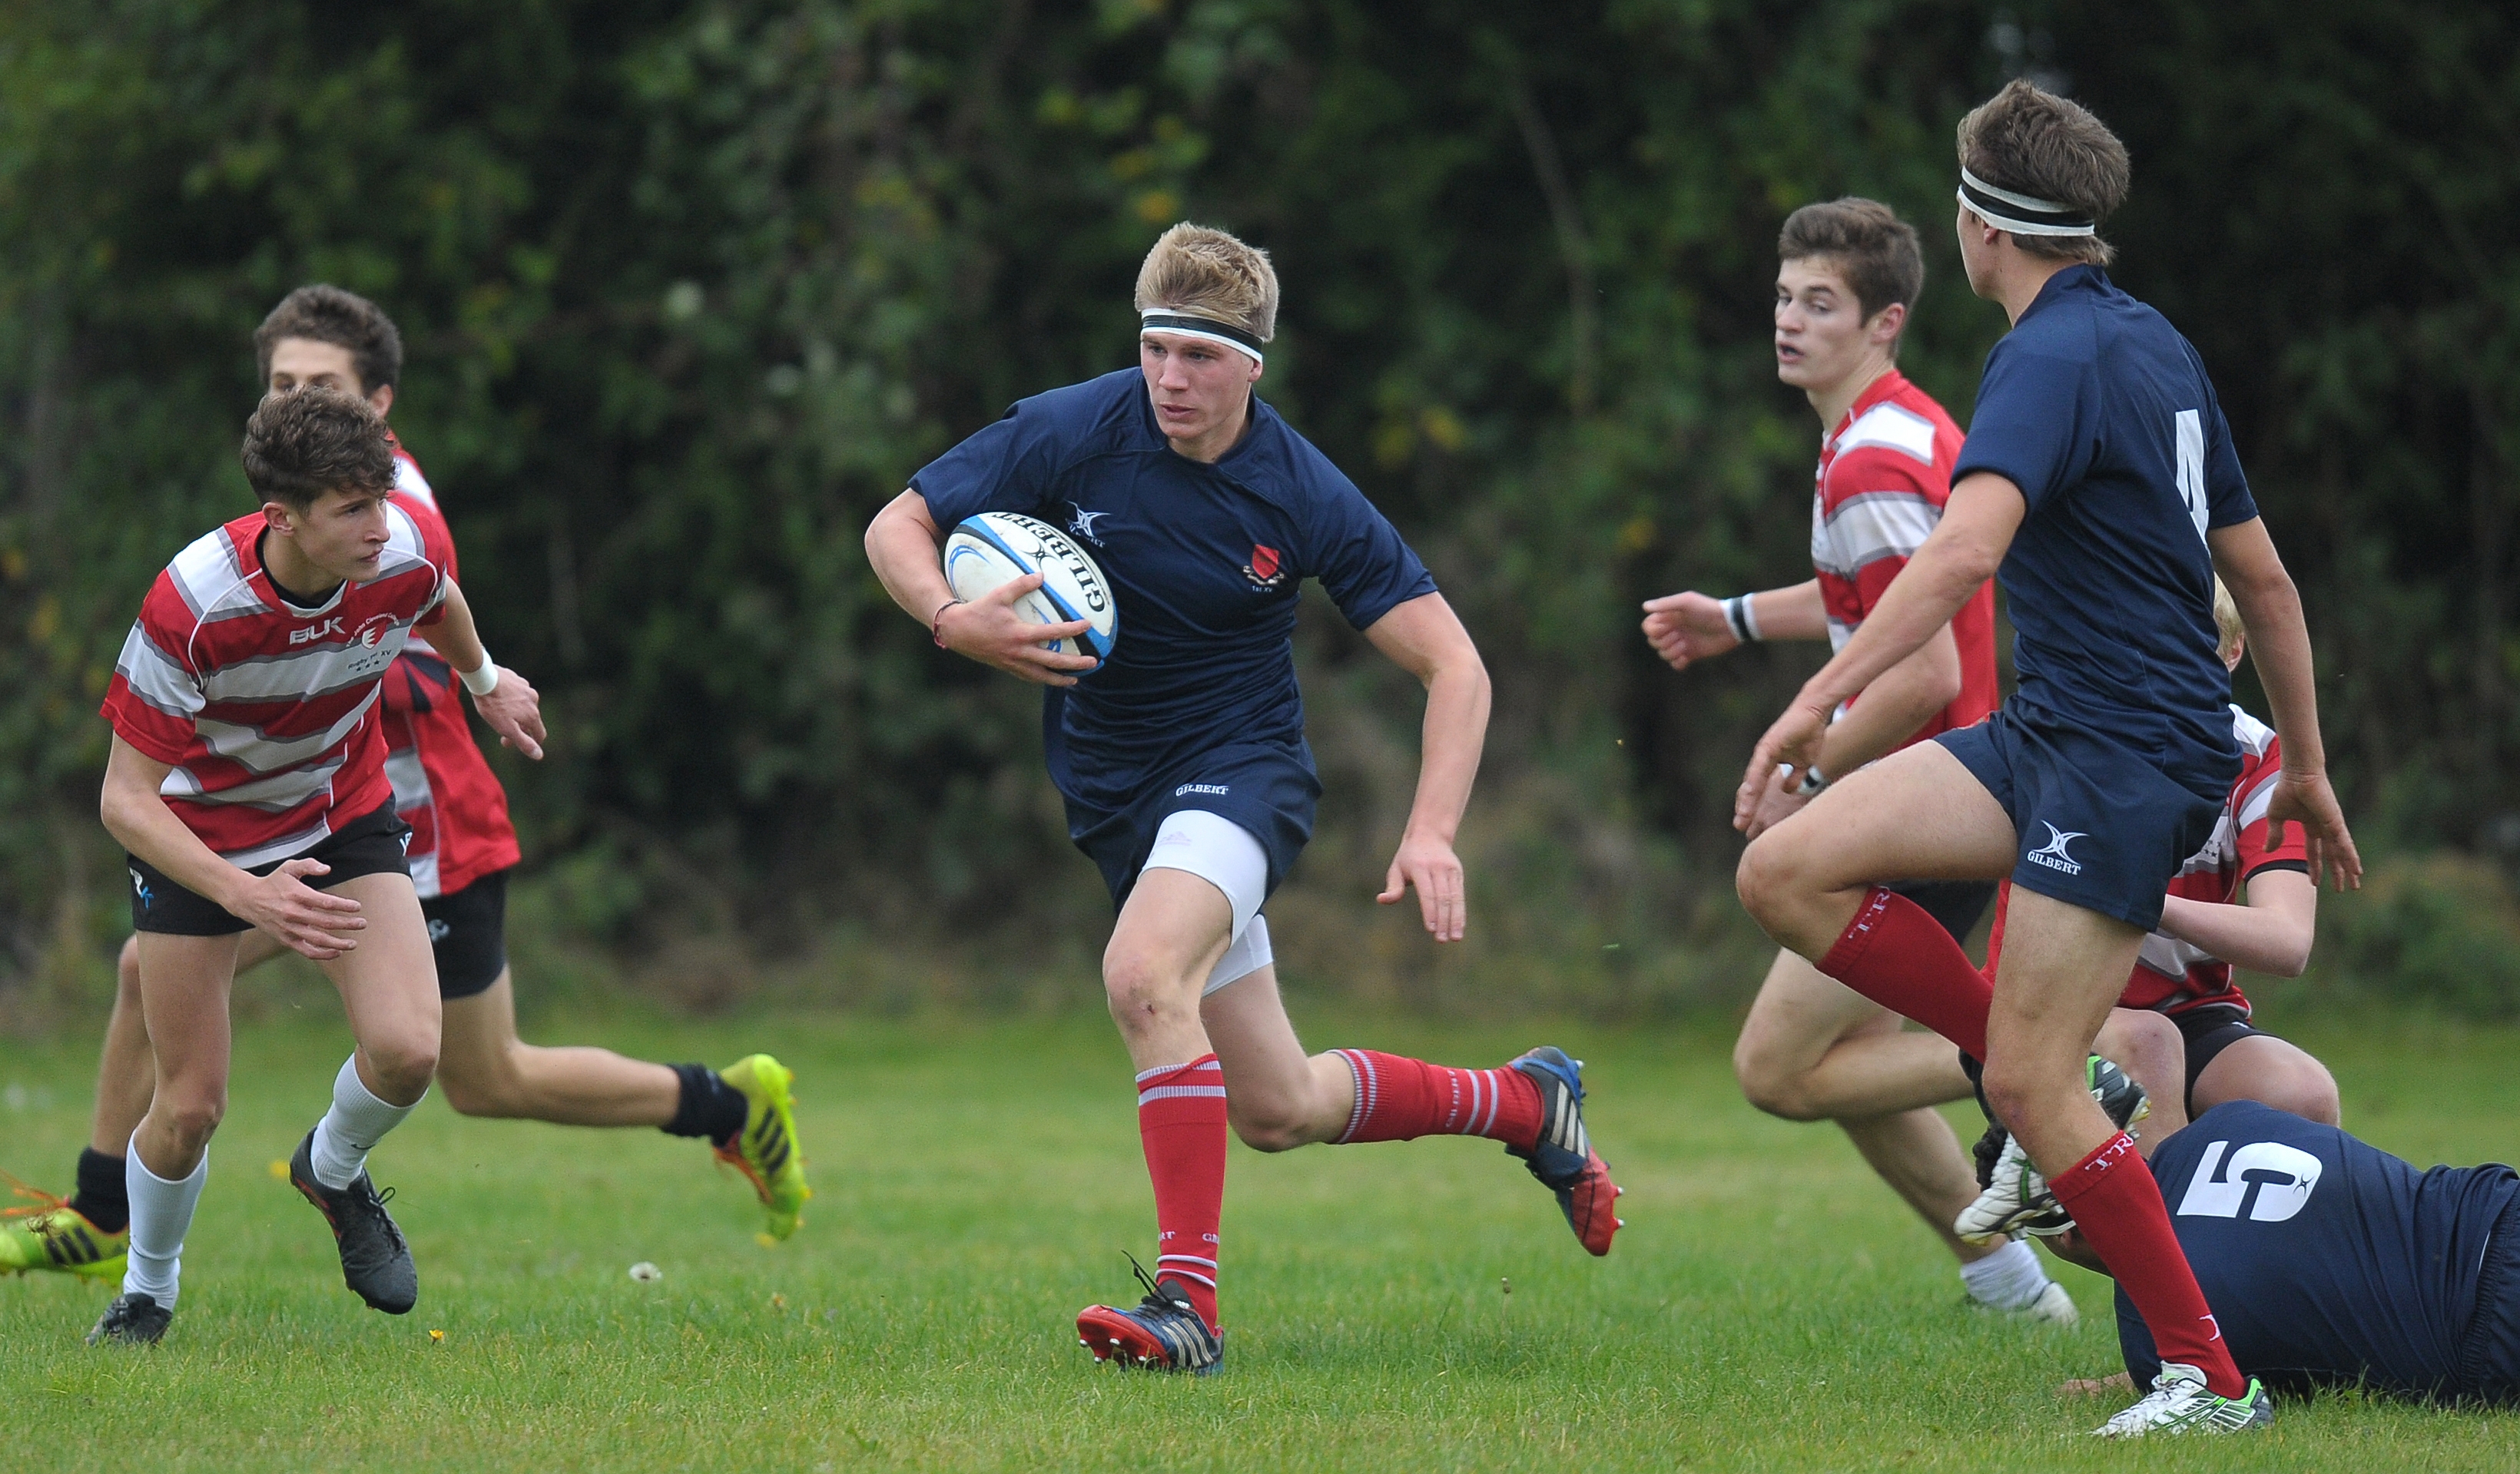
(276, 517)
(380, 399)
(1888, 323)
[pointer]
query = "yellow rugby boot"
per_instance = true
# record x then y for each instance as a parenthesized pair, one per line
(50, 1234)
(766, 1150)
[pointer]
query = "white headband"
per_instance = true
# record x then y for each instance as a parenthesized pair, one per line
(2022, 214)
(1173, 320)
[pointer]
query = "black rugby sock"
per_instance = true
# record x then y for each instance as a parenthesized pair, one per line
(710, 1107)
(99, 1198)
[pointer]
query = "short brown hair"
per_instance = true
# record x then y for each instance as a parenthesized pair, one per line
(1208, 273)
(345, 320)
(299, 446)
(1874, 249)
(2036, 143)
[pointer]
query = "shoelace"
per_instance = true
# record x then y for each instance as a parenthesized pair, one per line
(1155, 1299)
(44, 1203)
(375, 1200)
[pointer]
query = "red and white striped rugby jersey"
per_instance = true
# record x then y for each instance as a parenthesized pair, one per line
(264, 709)
(2172, 976)
(442, 785)
(1884, 474)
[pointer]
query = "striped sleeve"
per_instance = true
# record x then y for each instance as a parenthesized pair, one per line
(2265, 845)
(156, 695)
(1880, 512)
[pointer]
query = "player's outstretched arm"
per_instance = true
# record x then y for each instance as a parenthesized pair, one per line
(1965, 548)
(902, 544)
(2280, 645)
(508, 701)
(1689, 627)
(1424, 638)
(319, 925)
(2270, 931)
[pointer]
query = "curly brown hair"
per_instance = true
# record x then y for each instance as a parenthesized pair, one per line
(300, 445)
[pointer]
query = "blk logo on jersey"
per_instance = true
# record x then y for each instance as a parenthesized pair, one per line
(1265, 570)
(2264, 1181)
(2054, 854)
(313, 632)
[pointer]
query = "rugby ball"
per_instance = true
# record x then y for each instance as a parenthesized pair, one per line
(986, 551)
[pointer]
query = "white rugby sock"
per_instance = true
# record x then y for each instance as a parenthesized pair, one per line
(355, 1124)
(2007, 1279)
(162, 1212)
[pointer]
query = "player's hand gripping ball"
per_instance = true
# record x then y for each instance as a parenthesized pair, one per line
(994, 547)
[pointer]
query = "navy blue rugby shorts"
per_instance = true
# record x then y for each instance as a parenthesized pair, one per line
(1268, 788)
(2489, 1355)
(2100, 826)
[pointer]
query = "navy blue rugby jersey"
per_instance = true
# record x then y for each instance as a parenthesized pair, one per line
(2101, 413)
(1205, 560)
(2326, 1260)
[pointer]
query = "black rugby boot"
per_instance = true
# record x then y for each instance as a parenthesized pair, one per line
(376, 1263)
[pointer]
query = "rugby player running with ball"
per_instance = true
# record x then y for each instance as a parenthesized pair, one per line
(2101, 481)
(1182, 763)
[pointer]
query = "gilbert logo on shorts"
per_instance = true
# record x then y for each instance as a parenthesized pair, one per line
(1219, 788)
(2053, 854)
(1267, 569)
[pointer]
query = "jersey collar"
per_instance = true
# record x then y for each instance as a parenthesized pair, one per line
(1875, 392)
(2079, 277)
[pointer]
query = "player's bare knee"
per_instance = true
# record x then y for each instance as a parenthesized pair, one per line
(1769, 1087)
(1138, 989)
(403, 1064)
(191, 1114)
(1270, 1126)
(473, 1090)
(2303, 1088)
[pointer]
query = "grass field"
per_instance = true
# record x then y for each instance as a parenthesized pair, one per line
(1768, 1307)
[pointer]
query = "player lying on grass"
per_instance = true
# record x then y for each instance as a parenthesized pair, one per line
(2182, 1028)
(247, 762)
(1813, 1049)
(1183, 766)
(460, 848)
(2330, 1263)
(2101, 479)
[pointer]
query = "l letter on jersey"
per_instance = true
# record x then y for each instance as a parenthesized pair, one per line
(2267, 1182)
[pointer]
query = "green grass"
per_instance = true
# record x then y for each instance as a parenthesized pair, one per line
(1768, 1307)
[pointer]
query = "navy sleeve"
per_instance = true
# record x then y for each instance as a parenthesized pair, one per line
(1009, 467)
(2033, 423)
(2228, 501)
(1358, 555)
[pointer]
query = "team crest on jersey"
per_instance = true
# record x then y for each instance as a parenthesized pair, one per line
(375, 628)
(1265, 570)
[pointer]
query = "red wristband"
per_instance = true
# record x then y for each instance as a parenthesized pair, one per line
(936, 624)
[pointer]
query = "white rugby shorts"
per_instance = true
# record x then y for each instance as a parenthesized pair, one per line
(1228, 857)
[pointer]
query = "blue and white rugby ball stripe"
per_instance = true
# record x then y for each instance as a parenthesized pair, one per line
(994, 547)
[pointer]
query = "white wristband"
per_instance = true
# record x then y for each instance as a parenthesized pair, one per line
(1742, 618)
(482, 682)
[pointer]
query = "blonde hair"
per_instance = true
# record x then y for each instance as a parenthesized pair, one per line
(1208, 273)
(2226, 622)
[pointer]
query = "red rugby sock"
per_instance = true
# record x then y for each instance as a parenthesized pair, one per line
(1896, 954)
(1398, 1100)
(2117, 1207)
(1181, 1122)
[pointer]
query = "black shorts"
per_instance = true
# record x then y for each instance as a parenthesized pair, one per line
(369, 845)
(468, 932)
(2209, 1030)
(1955, 904)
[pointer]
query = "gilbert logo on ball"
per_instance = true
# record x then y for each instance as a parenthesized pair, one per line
(986, 551)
